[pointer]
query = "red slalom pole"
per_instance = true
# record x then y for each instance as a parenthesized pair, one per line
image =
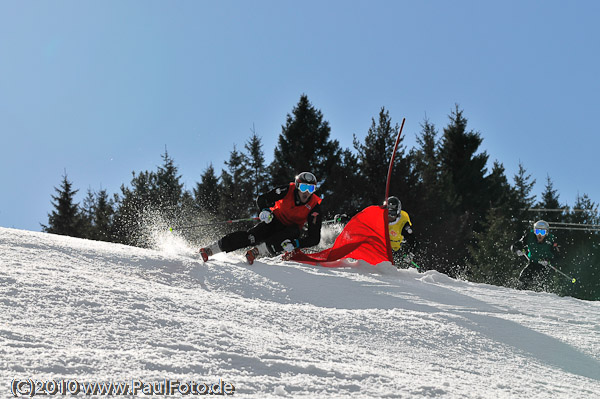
(387, 194)
(389, 176)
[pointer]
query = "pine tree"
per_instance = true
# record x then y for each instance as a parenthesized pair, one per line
(87, 215)
(374, 157)
(167, 189)
(304, 145)
(499, 190)
(257, 169)
(152, 198)
(427, 167)
(550, 200)
(236, 189)
(463, 169)
(464, 200)
(135, 201)
(66, 218)
(523, 188)
(97, 215)
(492, 261)
(103, 216)
(347, 192)
(207, 192)
(581, 250)
(521, 198)
(427, 216)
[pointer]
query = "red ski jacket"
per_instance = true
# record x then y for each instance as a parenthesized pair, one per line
(288, 213)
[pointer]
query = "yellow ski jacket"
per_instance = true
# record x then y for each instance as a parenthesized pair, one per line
(396, 230)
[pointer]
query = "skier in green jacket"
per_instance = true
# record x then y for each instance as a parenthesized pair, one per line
(539, 246)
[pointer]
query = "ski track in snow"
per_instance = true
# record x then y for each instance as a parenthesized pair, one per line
(92, 311)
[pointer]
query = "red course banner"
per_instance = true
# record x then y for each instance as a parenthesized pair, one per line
(363, 238)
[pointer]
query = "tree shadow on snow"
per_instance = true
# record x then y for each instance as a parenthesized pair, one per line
(411, 291)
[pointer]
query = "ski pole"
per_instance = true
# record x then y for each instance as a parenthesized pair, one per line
(564, 274)
(411, 261)
(332, 221)
(214, 223)
(573, 280)
(233, 221)
(343, 218)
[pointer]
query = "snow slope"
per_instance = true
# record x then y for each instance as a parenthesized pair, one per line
(91, 311)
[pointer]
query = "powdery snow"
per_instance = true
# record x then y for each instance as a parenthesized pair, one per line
(100, 312)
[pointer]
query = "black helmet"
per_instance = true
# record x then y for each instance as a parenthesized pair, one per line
(306, 182)
(394, 207)
(306, 177)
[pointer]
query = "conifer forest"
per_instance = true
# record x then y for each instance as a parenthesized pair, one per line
(466, 213)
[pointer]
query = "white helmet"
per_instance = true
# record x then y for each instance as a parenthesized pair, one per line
(541, 227)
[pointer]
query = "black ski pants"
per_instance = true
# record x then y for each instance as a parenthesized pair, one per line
(272, 234)
(534, 276)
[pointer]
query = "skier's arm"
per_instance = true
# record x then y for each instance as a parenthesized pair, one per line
(519, 245)
(268, 199)
(312, 235)
(407, 228)
(555, 249)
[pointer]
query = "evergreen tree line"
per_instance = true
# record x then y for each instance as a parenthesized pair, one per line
(465, 217)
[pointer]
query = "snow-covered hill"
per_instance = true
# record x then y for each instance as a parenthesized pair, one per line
(74, 309)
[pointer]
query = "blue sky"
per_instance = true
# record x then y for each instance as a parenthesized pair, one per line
(99, 88)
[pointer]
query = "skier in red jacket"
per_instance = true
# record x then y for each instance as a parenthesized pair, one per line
(290, 218)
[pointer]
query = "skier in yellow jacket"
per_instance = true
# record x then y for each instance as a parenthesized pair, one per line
(399, 224)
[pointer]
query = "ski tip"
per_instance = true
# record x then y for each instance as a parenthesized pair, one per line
(251, 255)
(204, 254)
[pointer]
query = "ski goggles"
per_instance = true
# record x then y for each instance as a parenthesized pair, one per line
(542, 232)
(307, 188)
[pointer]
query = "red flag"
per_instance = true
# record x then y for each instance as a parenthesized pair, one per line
(364, 238)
